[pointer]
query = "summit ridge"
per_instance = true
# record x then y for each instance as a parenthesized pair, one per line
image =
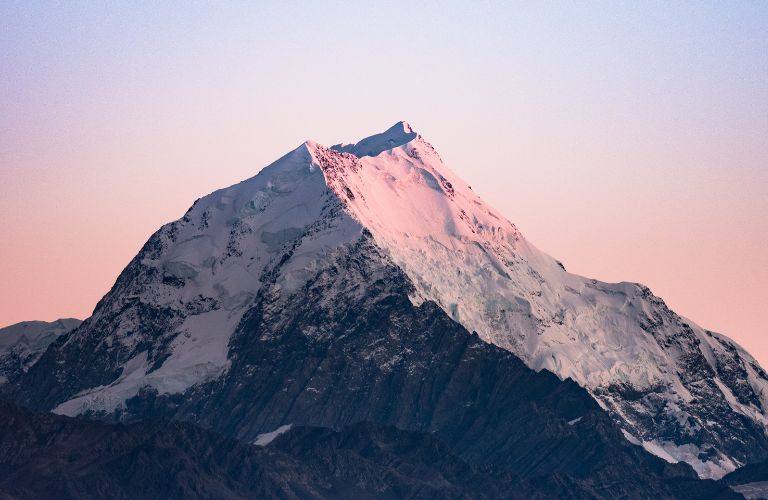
(173, 321)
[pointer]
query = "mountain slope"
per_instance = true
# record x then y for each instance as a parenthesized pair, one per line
(348, 346)
(175, 334)
(21, 344)
(49, 456)
(683, 392)
(750, 480)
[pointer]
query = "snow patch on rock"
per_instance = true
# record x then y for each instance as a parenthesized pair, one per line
(268, 437)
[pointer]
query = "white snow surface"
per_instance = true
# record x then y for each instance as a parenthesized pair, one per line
(268, 437)
(220, 249)
(468, 258)
(29, 339)
(34, 335)
(458, 251)
(398, 134)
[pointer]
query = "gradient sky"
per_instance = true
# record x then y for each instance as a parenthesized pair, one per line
(629, 140)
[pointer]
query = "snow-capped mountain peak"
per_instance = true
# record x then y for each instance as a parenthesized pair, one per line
(640, 360)
(22, 344)
(680, 391)
(398, 134)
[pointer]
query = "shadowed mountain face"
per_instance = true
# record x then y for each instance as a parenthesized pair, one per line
(45, 456)
(750, 480)
(305, 358)
(399, 454)
(370, 284)
(49, 456)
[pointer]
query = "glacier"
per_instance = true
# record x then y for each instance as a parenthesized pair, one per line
(680, 391)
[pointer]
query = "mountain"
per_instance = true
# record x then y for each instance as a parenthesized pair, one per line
(49, 456)
(350, 347)
(683, 392)
(347, 284)
(750, 480)
(23, 343)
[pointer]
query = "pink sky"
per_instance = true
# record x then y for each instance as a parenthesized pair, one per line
(629, 142)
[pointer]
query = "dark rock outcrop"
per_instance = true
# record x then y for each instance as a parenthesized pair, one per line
(45, 456)
(307, 358)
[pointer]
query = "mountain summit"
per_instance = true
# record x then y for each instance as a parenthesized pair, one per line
(397, 135)
(322, 228)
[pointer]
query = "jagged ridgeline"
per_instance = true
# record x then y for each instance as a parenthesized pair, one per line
(22, 344)
(368, 283)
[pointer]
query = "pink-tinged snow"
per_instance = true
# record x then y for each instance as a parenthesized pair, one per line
(467, 257)
(458, 251)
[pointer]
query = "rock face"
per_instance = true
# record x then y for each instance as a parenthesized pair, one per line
(341, 285)
(751, 473)
(750, 480)
(299, 359)
(49, 456)
(23, 343)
